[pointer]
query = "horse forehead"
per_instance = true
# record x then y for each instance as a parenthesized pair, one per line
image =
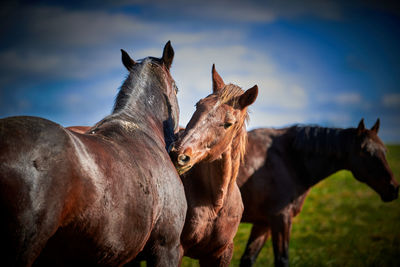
(152, 64)
(373, 144)
(213, 110)
(148, 60)
(213, 103)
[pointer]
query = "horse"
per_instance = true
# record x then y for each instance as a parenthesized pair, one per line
(96, 198)
(207, 154)
(281, 166)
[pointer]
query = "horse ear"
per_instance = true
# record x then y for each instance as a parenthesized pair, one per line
(168, 55)
(248, 97)
(126, 60)
(217, 81)
(375, 128)
(361, 126)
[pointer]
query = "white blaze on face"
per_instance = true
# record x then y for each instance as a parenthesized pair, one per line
(372, 147)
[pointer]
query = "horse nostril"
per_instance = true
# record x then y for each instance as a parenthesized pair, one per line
(183, 159)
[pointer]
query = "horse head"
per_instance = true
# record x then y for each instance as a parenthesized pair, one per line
(368, 162)
(219, 119)
(155, 72)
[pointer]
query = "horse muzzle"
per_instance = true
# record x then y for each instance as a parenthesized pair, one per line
(181, 160)
(392, 195)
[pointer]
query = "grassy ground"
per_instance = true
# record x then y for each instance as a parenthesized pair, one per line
(343, 223)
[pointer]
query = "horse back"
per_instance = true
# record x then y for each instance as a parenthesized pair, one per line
(77, 189)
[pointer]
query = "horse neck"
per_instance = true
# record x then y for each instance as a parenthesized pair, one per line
(323, 152)
(140, 99)
(140, 105)
(219, 176)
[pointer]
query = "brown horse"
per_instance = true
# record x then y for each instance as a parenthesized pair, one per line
(281, 165)
(212, 147)
(96, 199)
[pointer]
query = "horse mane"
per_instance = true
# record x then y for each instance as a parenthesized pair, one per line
(128, 99)
(320, 140)
(124, 95)
(229, 94)
(128, 89)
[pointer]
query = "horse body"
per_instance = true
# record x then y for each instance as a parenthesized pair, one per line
(94, 199)
(281, 166)
(272, 172)
(208, 154)
(77, 193)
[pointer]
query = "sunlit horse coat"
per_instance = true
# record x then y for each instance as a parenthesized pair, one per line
(212, 146)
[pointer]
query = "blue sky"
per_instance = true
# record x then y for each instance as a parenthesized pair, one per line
(315, 62)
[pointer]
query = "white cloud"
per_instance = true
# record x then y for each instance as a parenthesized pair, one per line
(276, 92)
(233, 10)
(56, 65)
(239, 65)
(73, 44)
(82, 28)
(260, 118)
(245, 11)
(83, 43)
(346, 98)
(88, 104)
(332, 117)
(203, 37)
(391, 100)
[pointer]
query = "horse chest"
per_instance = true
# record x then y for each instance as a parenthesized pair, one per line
(206, 231)
(198, 236)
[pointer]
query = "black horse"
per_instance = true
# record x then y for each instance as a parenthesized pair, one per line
(96, 199)
(281, 166)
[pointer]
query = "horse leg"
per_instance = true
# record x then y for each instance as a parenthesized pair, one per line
(259, 235)
(26, 223)
(280, 227)
(222, 259)
(165, 256)
(164, 246)
(25, 239)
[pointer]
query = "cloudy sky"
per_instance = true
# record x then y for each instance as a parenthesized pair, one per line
(315, 62)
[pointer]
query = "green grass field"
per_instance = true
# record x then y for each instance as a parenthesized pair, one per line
(343, 223)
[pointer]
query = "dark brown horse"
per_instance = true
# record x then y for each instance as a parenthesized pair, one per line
(96, 199)
(209, 152)
(281, 165)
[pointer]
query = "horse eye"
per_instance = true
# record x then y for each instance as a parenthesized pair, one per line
(227, 125)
